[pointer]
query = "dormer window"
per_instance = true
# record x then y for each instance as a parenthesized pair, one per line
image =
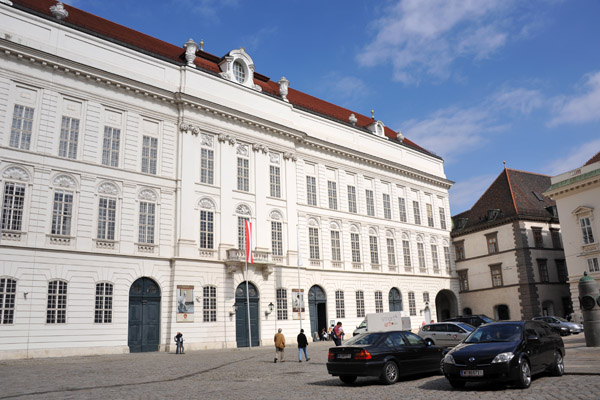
(238, 72)
(377, 127)
(237, 66)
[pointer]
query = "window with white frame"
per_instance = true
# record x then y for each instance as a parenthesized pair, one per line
(275, 181)
(374, 248)
(8, 292)
(417, 212)
(421, 255)
(62, 212)
(425, 297)
(434, 258)
(107, 217)
(149, 154)
(209, 303)
(313, 242)
(586, 230)
(277, 238)
(282, 308)
(387, 206)
(332, 194)
(406, 250)
(492, 242)
(352, 199)
(355, 247)
(360, 304)
(443, 218)
(13, 206)
(336, 247)
(104, 303)
(56, 311)
(21, 127)
(370, 202)
(593, 265)
(340, 310)
(311, 190)
(429, 209)
(242, 232)
(378, 301)
(463, 280)
(69, 137)
(147, 222)
(447, 257)
(111, 145)
(412, 304)
(243, 174)
(207, 229)
(496, 271)
(391, 251)
(207, 160)
(402, 209)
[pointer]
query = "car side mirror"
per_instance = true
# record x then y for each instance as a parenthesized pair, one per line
(533, 338)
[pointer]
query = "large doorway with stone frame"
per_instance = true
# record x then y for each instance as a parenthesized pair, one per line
(241, 315)
(317, 309)
(144, 316)
(446, 305)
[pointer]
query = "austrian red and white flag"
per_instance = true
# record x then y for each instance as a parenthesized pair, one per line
(249, 256)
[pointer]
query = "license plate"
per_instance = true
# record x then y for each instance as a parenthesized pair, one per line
(344, 356)
(471, 372)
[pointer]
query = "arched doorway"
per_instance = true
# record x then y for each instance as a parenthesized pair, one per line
(395, 300)
(502, 312)
(548, 308)
(446, 305)
(317, 308)
(241, 315)
(144, 316)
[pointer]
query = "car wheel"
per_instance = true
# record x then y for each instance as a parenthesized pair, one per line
(457, 384)
(524, 380)
(389, 375)
(429, 342)
(558, 367)
(442, 366)
(348, 379)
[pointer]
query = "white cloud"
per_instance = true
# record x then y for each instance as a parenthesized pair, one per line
(465, 193)
(580, 108)
(519, 99)
(574, 158)
(207, 9)
(424, 37)
(347, 89)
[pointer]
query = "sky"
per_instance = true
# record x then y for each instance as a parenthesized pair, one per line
(477, 82)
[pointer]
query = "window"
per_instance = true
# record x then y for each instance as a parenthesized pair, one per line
(561, 270)
(492, 242)
(370, 202)
(360, 304)
(352, 199)
(463, 280)
(555, 235)
(447, 258)
(332, 194)
(429, 208)
(311, 190)
(21, 128)
(459, 249)
(387, 206)
(543, 268)
(69, 137)
(107, 218)
(110, 146)
(282, 308)
(412, 305)
(339, 304)
(538, 240)
(313, 240)
(496, 271)
(209, 303)
(62, 212)
(147, 222)
(434, 258)
(593, 265)
(443, 218)
(586, 230)
(56, 312)
(275, 180)
(207, 166)
(421, 253)
(104, 303)
(402, 208)
(13, 206)
(391, 251)
(149, 154)
(242, 233)
(239, 73)
(277, 238)
(243, 174)
(378, 301)
(417, 212)
(355, 247)
(8, 292)
(336, 251)
(425, 297)
(374, 249)
(207, 229)
(406, 251)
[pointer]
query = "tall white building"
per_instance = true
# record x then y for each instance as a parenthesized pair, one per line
(129, 166)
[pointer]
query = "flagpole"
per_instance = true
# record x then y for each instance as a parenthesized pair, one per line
(299, 263)
(248, 307)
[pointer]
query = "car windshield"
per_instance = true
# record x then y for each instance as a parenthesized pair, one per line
(363, 339)
(561, 319)
(467, 327)
(495, 333)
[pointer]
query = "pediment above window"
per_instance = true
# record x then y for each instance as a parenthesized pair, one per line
(237, 66)
(582, 212)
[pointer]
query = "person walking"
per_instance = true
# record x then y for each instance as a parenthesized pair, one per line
(279, 340)
(179, 343)
(302, 345)
(337, 333)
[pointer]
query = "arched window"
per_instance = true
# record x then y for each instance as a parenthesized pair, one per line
(62, 207)
(107, 211)
(391, 249)
(276, 233)
(147, 216)
(313, 240)
(467, 311)
(336, 243)
(502, 312)
(421, 254)
(406, 252)
(374, 247)
(434, 256)
(8, 292)
(243, 214)
(207, 224)
(355, 243)
(13, 200)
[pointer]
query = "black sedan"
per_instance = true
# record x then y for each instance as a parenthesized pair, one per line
(387, 355)
(506, 351)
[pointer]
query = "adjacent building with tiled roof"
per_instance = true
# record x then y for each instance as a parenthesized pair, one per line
(129, 167)
(509, 252)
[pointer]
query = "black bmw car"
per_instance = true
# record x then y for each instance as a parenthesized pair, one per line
(506, 351)
(387, 355)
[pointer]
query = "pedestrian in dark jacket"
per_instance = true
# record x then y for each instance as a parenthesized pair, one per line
(179, 341)
(302, 345)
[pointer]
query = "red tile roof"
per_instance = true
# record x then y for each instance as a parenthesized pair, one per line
(594, 159)
(81, 20)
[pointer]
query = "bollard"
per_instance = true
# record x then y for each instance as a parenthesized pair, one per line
(589, 301)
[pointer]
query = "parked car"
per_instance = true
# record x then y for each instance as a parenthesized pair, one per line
(445, 334)
(475, 320)
(562, 324)
(387, 355)
(505, 351)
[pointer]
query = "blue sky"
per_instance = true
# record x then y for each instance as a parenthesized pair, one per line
(478, 82)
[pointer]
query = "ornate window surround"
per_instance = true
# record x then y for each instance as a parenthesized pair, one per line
(243, 59)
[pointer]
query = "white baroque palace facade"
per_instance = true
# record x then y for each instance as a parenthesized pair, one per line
(128, 167)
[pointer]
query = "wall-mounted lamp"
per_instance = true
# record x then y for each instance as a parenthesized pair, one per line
(25, 295)
(234, 308)
(270, 310)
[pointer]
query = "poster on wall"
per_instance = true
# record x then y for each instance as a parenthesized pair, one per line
(185, 303)
(298, 304)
